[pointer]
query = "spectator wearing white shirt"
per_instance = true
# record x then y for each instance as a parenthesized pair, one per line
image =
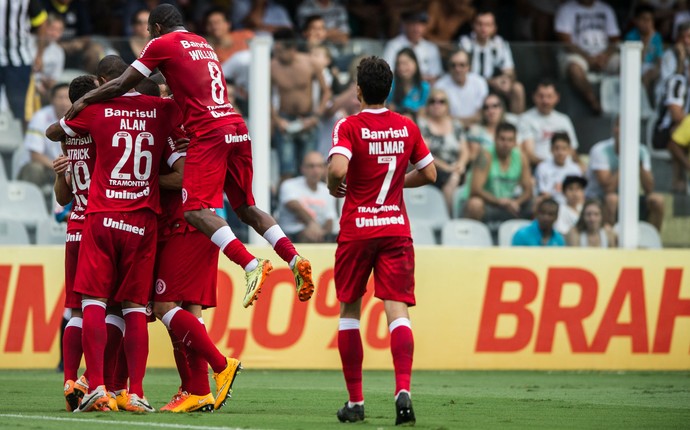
(602, 177)
(569, 211)
(539, 124)
(306, 209)
(412, 36)
(589, 30)
(38, 165)
(466, 90)
(550, 173)
(493, 59)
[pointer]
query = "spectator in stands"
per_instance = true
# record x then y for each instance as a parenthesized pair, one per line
(569, 211)
(664, 13)
(321, 57)
(219, 34)
(15, 59)
(652, 46)
(492, 58)
(501, 182)
(448, 20)
(38, 167)
(314, 31)
(675, 60)
(550, 173)
(674, 105)
(306, 209)
(482, 134)
(266, 16)
(296, 117)
(334, 17)
(130, 48)
(541, 232)
(53, 58)
(602, 177)
(83, 50)
(589, 30)
(445, 138)
(409, 92)
(132, 7)
(537, 125)
(412, 36)
(680, 17)
(466, 90)
(678, 147)
(590, 230)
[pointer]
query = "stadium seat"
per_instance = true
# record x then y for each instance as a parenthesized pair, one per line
(3, 175)
(507, 230)
(11, 135)
(49, 232)
(23, 202)
(647, 235)
(20, 156)
(466, 232)
(13, 233)
(610, 96)
(458, 201)
(426, 205)
(422, 234)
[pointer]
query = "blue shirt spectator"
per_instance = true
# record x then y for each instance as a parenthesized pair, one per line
(653, 51)
(541, 232)
(414, 100)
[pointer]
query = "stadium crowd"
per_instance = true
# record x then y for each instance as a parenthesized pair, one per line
(503, 137)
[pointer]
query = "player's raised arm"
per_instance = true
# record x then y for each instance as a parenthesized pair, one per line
(118, 86)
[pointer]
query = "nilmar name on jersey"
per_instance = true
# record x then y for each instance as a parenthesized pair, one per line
(380, 146)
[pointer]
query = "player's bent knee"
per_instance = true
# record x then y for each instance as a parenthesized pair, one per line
(162, 308)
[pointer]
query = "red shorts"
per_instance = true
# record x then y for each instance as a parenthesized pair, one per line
(187, 270)
(205, 165)
(391, 258)
(72, 299)
(117, 255)
(240, 173)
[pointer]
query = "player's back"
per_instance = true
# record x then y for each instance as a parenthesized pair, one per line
(130, 133)
(382, 144)
(194, 74)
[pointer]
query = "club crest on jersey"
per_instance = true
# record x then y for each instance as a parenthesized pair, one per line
(160, 286)
(149, 309)
(184, 195)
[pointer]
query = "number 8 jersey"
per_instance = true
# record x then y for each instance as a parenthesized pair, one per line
(379, 144)
(130, 135)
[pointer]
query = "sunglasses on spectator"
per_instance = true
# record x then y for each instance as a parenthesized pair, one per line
(313, 165)
(437, 101)
(491, 106)
(459, 64)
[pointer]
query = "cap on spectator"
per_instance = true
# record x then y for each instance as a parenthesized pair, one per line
(573, 179)
(415, 17)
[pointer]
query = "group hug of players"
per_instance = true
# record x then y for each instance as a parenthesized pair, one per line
(129, 244)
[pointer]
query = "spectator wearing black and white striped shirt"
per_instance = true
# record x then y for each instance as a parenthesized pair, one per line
(493, 59)
(17, 17)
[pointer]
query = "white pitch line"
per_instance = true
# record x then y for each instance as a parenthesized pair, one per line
(129, 423)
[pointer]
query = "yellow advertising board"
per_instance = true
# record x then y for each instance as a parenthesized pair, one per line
(489, 308)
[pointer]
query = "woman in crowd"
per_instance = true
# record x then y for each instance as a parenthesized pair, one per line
(409, 92)
(493, 113)
(446, 140)
(590, 230)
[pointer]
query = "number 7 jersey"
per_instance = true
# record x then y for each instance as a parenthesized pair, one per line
(380, 144)
(130, 135)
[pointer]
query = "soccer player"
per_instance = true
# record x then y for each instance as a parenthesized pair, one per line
(73, 175)
(370, 154)
(219, 152)
(119, 241)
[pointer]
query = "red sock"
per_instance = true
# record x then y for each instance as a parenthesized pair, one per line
(402, 348)
(94, 342)
(136, 344)
(198, 368)
(71, 349)
(237, 253)
(181, 361)
(194, 336)
(112, 354)
(351, 356)
(285, 249)
(121, 374)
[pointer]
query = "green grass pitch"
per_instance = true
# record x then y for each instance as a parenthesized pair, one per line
(262, 399)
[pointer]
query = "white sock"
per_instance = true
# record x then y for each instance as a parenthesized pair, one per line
(348, 324)
(167, 318)
(75, 322)
(252, 265)
(223, 236)
(403, 391)
(274, 234)
(399, 322)
(293, 262)
(117, 321)
(91, 302)
(351, 404)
